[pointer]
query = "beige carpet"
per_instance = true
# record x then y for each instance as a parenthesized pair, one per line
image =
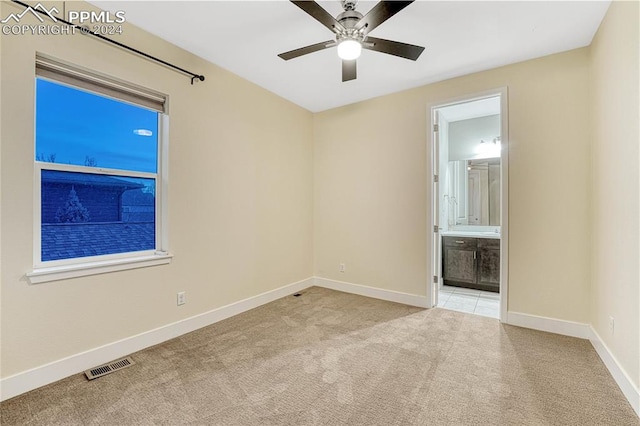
(330, 358)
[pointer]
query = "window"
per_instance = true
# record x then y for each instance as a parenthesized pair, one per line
(99, 146)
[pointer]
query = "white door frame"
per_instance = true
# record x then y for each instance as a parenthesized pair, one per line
(433, 246)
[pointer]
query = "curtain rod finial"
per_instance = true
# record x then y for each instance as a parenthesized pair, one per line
(199, 77)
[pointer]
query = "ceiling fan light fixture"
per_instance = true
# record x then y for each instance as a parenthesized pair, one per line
(349, 49)
(351, 31)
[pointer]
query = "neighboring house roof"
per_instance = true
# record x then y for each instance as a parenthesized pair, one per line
(58, 177)
(70, 240)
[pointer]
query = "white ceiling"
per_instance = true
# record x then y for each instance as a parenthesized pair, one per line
(245, 38)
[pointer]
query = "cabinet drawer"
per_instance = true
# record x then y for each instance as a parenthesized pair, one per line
(491, 243)
(460, 242)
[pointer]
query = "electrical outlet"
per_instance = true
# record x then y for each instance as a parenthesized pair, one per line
(182, 298)
(342, 267)
(612, 323)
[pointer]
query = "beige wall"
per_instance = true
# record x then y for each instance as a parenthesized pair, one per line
(371, 172)
(615, 280)
(240, 196)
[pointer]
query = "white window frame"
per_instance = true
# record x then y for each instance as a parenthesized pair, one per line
(45, 271)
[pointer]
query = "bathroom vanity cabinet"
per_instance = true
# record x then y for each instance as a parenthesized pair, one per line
(471, 262)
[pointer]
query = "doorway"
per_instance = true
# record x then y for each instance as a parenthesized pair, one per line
(468, 224)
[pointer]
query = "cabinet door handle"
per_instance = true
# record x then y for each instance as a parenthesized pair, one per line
(474, 254)
(460, 242)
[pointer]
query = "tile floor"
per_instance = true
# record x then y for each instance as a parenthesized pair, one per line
(477, 302)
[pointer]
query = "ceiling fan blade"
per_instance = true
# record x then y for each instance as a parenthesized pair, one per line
(320, 15)
(348, 70)
(395, 48)
(380, 13)
(307, 49)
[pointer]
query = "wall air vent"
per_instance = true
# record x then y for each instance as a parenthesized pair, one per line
(108, 368)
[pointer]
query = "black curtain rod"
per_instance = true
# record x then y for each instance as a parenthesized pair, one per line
(83, 30)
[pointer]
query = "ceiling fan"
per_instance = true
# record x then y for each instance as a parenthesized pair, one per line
(352, 33)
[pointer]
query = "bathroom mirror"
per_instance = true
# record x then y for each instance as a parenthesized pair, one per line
(474, 195)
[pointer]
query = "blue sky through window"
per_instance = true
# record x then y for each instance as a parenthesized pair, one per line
(75, 125)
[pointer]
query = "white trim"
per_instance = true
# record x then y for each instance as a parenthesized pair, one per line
(376, 293)
(74, 168)
(162, 183)
(630, 391)
(63, 272)
(37, 209)
(551, 325)
(504, 203)
(31, 379)
(433, 218)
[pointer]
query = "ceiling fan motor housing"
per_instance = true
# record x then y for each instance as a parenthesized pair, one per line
(349, 19)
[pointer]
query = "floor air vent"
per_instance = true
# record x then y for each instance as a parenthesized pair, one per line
(110, 367)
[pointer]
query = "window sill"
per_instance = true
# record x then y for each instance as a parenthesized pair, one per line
(55, 273)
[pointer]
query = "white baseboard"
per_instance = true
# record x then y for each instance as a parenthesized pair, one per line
(630, 391)
(551, 325)
(31, 379)
(376, 293)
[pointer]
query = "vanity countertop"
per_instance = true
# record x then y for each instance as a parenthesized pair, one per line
(471, 234)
